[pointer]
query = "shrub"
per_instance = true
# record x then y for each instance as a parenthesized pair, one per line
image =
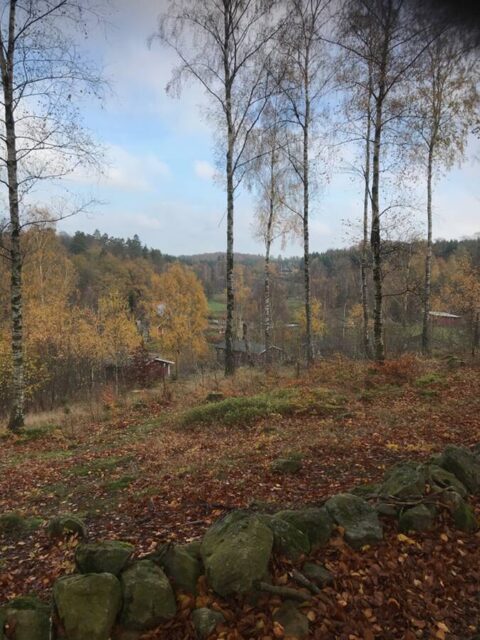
(397, 371)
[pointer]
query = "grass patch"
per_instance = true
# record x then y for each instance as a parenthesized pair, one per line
(247, 410)
(100, 465)
(429, 379)
(121, 483)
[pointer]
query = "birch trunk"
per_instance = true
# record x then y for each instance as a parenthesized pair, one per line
(426, 334)
(306, 239)
(229, 337)
(375, 240)
(267, 303)
(364, 262)
(16, 420)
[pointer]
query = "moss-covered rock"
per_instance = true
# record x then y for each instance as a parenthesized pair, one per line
(205, 620)
(366, 490)
(464, 465)
(464, 517)
(27, 618)
(418, 518)
(236, 551)
(182, 567)
(294, 623)
(441, 479)
(317, 574)
(358, 519)
(66, 525)
(110, 556)
(288, 541)
(88, 605)
(148, 598)
(405, 480)
(316, 524)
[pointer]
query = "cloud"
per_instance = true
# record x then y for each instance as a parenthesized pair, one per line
(125, 171)
(204, 170)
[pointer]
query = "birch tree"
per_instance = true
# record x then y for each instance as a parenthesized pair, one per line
(271, 179)
(386, 41)
(305, 83)
(225, 45)
(43, 76)
(446, 107)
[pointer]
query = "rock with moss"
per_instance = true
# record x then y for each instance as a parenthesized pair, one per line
(404, 481)
(205, 621)
(194, 548)
(88, 605)
(27, 618)
(464, 517)
(358, 519)
(290, 465)
(464, 465)
(317, 574)
(288, 541)
(441, 479)
(181, 564)
(236, 551)
(418, 518)
(110, 556)
(148, 597)
(294, 623)
(366, 490)
(316, 524)
(66, 525)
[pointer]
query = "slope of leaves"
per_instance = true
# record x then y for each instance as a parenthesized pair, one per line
(142, 477)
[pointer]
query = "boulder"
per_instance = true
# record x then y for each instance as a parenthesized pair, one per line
(464, 517)
(194, 548)
(294, 623)
(28, 618)
(358, 519)
(405, 480)
(66, 525)
(88, 605)
(180, 565)
(316, 524)
(366, 490)
(317, 574)
(418, 518)
(441, 479)
(286, 465)
(288, 541)
(236, 551)
(464, 465)
(205, 620)
(110, 556)
(148, 598)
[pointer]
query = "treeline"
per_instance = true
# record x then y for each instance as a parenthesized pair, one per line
(336, 297)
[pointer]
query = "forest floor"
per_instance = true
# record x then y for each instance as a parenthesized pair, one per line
(151, 471)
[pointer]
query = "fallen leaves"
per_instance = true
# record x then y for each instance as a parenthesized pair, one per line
(186, 479)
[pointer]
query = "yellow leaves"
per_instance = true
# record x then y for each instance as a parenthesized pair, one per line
(184, 311)
(401, 537)
(392, 446)
(318, 325)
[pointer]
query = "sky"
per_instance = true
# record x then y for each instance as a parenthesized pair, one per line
(159, 178)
